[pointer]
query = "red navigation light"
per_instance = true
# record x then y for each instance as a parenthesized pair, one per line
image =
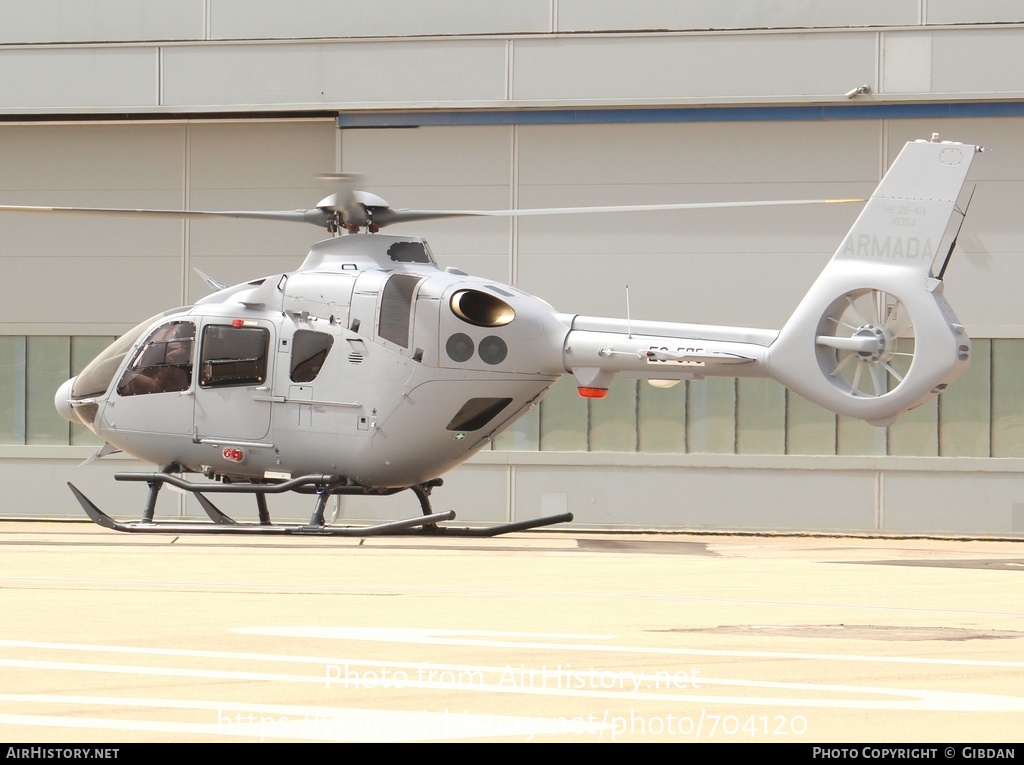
(236, 323)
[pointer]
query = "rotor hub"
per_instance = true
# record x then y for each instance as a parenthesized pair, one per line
(885, 343)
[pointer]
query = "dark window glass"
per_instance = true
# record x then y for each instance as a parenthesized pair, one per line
(233, 356)
(477, 412)
(164, 362)
(309, 352)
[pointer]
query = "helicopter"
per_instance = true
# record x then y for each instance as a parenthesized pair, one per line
(372, 370)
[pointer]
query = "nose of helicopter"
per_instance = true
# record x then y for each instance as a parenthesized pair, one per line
(62, 400)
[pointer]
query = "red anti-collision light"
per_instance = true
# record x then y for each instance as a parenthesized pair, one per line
(233, 455)
(592, 392)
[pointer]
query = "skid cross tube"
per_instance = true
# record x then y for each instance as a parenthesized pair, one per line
(236, 488)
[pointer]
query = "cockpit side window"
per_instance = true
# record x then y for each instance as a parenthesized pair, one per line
(163, 364)
(309, 352)
(233, 356)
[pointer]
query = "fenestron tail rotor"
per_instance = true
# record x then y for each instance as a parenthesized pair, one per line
(865, 343)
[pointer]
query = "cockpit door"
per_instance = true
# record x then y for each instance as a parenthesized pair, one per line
(153, 394)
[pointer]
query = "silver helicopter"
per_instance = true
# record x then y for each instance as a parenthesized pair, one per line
(372, 370)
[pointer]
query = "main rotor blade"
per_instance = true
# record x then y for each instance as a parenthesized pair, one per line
(390, 216)
(316, 217)
(355, 205)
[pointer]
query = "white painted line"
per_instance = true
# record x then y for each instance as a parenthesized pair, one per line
(559, 681)
(274, 721)
(141, 584)
(420, 636)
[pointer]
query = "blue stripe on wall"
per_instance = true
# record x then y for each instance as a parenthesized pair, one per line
(688, 114)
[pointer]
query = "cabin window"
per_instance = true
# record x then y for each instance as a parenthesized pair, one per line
(164, 362)
(233, 356)
(309, 352)
(477, 412)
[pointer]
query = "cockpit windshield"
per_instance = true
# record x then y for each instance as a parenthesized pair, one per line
(163, 364)
(95, 379)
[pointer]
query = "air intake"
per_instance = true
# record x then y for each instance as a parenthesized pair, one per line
(481, 309)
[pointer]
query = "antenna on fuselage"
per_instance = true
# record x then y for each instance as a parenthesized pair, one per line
(629, 328)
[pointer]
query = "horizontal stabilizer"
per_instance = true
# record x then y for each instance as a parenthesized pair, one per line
(706, 357)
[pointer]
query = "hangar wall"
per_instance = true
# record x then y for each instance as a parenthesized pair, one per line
(197, 111)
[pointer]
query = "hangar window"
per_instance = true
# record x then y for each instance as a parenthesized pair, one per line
(309, 352)
(233, 356)
(164, 362)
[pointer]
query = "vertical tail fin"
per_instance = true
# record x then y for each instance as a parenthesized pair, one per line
(874, 336)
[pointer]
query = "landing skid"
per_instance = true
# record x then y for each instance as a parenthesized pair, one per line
(322, 485)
